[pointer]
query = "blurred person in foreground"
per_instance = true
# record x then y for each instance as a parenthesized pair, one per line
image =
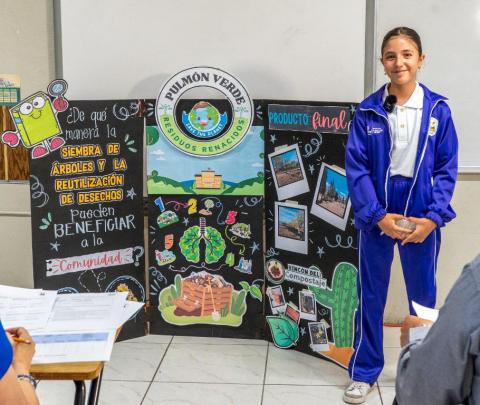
(444, 367)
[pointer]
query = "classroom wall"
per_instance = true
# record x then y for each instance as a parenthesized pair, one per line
(28, 49)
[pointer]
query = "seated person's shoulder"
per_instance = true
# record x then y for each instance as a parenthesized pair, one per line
(472, 269)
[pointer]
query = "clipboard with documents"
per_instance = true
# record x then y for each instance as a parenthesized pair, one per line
(67, 327)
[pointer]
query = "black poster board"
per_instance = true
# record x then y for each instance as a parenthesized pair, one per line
(87, 205)
(205, 248)
(311, 253)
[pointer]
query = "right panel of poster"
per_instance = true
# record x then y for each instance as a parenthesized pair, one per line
(311, 256)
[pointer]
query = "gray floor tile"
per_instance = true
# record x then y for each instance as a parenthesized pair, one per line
(203, 394)
(389, 372)
(122, 392)
(241, 364)
(134, 362)
(310, 394)
(388, 394)
(56, 392)
(292, 367)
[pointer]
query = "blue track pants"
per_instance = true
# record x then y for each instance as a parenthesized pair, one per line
(419, 262)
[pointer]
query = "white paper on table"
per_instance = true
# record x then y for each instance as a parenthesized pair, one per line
(86, 311)
(8, 291)
(27, 308)
(418, 333)
(430, 314)
(130, 308)
(63, 347)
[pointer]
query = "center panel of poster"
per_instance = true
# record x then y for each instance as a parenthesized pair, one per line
(205, 229)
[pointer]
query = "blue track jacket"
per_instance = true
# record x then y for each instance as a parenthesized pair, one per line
(368, 155)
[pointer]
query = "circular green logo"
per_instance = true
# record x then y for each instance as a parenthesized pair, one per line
(204, 122)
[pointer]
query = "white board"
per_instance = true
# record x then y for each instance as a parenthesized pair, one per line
(280, 49)
(450, 33)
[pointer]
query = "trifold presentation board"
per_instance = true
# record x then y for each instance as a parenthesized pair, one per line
(87, 204)
(250, 231)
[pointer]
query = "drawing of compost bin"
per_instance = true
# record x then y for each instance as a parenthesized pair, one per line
(202, 298)
(342, 299)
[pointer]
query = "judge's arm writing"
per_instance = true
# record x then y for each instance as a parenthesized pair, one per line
(14, 390)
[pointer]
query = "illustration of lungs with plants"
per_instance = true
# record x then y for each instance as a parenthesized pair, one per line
(190, 243)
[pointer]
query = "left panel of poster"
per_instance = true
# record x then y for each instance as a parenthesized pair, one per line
(87, 207)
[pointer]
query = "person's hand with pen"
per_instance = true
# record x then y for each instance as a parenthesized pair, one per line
(23, 349)
(17, 386)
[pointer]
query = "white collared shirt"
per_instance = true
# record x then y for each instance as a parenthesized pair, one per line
(405, 122)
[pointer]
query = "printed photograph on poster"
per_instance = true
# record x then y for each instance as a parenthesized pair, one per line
(308, 308)
(277, 299)
(293, 313)
(331, 201)
(291, 227)
(318, 337)
(288, 172)
(275, 271)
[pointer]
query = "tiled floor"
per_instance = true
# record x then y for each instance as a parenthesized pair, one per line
(168, 370)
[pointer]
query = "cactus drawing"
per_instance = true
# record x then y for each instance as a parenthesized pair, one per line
(342, 299)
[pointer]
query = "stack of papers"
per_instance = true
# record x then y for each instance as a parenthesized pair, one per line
(69, 327)
(420, 332)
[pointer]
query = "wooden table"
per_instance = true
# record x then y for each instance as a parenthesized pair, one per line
(78, 373)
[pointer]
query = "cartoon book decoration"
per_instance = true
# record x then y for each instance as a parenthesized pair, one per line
(35, 119)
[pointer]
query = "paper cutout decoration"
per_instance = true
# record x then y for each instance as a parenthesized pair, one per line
(166, 218)
(307, 303)
(276, 299)
(331, 201)
(305, 118)
(35, 119)
(342, 299)
(318, 337)
(284, 328)
(275, 271)
(190, 243)
(291, 227)
(214, 175)
(202, 298)
(288, 172)
(202, 133)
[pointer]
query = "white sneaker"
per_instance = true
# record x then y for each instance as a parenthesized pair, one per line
(356, 392)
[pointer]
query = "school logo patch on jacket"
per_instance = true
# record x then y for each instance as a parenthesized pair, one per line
(432, 128)
(374, 130)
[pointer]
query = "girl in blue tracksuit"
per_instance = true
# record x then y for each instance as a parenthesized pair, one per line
(400, 163)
